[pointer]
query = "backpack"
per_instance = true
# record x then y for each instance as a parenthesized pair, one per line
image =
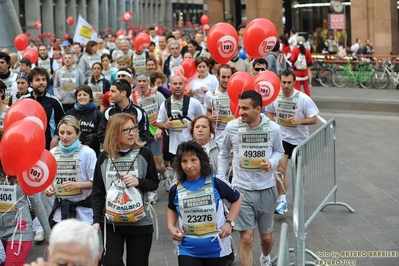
(168, 108)
(300, 62)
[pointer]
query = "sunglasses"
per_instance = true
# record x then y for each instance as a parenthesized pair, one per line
(135, 129)
(257, 69)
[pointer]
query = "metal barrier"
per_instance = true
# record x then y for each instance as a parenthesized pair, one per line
(314, 173)
(314, 182)
(283, 251)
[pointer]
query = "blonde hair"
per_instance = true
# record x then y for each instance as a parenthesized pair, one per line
(114, 133)
(124, 59)
(70, 121)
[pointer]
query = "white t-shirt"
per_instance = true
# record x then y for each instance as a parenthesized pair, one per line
(305, 108)
(87, 163)
(178, 136)
(209, 105)
(210, 82)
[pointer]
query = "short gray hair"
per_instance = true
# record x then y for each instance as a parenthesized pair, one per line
(75, 231)
(174, 42)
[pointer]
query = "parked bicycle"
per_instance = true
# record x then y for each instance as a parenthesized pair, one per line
(381, 79)
(344, 74)
(323, 75)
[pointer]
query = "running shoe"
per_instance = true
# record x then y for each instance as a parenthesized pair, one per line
(152, 197)
(282, 207)
(264, 260)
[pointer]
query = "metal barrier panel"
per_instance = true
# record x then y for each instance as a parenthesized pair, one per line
(283, 250)
(315, 181)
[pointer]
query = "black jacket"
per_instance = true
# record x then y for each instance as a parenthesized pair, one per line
(137, 111)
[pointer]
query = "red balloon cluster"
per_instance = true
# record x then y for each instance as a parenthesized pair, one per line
(141, 41)
(127, 16)
(188, 67)
(37, 25)
(120, 32)
(204, 19)
(32, 54)
(222, 42)
(266, 83)
(36, 171)
(260, 37)
(21, 41)
(70, 20)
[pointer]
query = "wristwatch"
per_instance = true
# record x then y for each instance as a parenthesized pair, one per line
(232, 223)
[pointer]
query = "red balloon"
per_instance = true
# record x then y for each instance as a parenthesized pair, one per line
(37, 25)
(234, 109)
(70, 20)
(204, 19)
(126, 16)
(25, 108)
(25, 137)
(141, 41)
(38, 177)
(21, 41)
(27, 33)
(31, 54)
(267, 84)
(120, 32)
(205, 27)
(188, 68)
(66, 36)
(48, 34)
(260, 37)
(222, 42)
(238, 83)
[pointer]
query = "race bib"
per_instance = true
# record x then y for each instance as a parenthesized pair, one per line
(221, 107)
(198, 210)
(286, 108)
(68, 81)
(67, 170)
(254, 145)
(8, 198)
(150, 105)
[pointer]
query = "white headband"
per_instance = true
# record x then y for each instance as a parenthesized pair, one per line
(142, 75)
(123, 72)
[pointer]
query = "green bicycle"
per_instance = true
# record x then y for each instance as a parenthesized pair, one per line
(344, 74)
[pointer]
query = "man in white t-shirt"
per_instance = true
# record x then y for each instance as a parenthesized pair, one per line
(175, 118)
(293, 111)
(217, 103)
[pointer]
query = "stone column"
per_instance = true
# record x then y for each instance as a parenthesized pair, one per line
(270, 9)
(47, 20)
(376, 20)
(112, 14)
(92, 14)
(120, 9)
(60, 22)
(215, 11)
(82, 6)
(16, 6)
(71, 11)
(103, 22)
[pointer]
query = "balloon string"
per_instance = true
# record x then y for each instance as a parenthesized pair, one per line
(12, 206)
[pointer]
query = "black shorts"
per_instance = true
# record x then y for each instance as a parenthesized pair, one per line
(288, 148)
(167, 156)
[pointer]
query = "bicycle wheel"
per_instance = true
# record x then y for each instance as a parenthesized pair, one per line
(380, 80)
(365, 75)
(341, 77)
(326, 77)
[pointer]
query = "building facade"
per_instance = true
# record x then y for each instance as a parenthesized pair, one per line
(101, 14)
(376, 20)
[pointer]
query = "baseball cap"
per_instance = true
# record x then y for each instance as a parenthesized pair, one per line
(65, 43)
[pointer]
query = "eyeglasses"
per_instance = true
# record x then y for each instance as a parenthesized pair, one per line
(135, 129)
(257, 69)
